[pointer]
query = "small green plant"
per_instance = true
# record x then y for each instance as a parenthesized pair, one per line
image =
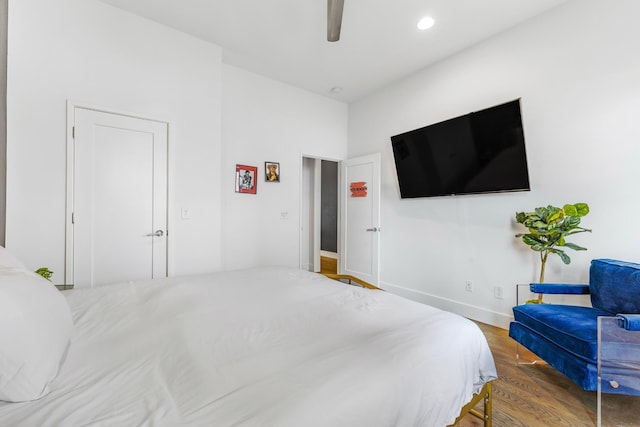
(45, 272)
(548, 228)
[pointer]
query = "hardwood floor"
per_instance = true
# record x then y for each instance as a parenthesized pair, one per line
(328, 265)
(538, 395)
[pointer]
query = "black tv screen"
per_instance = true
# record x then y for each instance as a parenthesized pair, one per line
(480, 152)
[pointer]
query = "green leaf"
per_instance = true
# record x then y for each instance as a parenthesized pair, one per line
(578, 230)
(44, 272)
(570, 210)
(544, 233)
(582, 208)
(564, 257)
(571, 222)
(555, 217)
(574, 247)
(531, 240)
(539, 224)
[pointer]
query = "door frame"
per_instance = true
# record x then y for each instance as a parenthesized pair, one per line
(69, 204)
(302, 263)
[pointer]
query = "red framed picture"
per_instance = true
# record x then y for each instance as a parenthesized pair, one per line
(246, 179)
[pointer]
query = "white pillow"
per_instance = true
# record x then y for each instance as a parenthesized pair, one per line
(8, 260)
(35, 328)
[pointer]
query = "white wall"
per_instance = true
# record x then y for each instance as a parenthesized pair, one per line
(264, 120)
(97, 55)
(577, 71)
(94, 54)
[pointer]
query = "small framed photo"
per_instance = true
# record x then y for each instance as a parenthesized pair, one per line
(246, 179)
(272, 172)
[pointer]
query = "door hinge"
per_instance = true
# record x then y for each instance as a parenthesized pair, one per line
(73, 132)
(73, 217)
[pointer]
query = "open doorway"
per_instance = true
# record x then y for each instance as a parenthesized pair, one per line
(319, 215)
(329, 217)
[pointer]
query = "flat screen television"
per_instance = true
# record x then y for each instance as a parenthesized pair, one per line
(480, 152)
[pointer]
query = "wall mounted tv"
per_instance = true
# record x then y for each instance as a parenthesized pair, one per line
(481, 152)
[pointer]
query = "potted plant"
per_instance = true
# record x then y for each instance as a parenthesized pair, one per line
(548, 228)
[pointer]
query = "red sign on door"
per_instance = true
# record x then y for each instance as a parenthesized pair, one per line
(358, 189)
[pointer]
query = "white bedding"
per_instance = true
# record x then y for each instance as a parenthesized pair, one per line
(264, 347)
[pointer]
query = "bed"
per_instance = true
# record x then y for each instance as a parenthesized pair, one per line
(259, 347)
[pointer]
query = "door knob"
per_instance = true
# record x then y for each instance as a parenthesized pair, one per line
(158, 233)
(372, 229)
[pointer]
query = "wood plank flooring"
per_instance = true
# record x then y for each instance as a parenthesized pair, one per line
(538, 395)
(328, 265)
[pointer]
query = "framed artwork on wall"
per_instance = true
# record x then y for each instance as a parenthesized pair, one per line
(246, 179)
(272, 172)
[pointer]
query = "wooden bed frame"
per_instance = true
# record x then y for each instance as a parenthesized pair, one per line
(485, 394)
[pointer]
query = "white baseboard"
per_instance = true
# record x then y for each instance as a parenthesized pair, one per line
(480, 314)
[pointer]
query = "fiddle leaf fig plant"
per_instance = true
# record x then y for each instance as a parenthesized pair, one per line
(548, 229)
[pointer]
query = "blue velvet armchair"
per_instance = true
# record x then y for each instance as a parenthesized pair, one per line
(566, 336)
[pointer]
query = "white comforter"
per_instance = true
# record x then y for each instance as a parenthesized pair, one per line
(259, 348)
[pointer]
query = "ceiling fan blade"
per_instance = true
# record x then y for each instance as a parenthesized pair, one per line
(334, 19)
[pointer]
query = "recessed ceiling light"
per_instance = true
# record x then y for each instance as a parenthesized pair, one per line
(426, 23)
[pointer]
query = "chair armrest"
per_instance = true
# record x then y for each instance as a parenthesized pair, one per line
(630, 322)
(559, 288)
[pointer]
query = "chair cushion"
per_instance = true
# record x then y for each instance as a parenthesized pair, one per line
(580, 370)
(615, 286)
(572, 328)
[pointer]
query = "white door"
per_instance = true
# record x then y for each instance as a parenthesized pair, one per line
(360, 193)
(119, 206)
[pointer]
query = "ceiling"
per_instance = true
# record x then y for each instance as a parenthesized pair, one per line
(286, 40)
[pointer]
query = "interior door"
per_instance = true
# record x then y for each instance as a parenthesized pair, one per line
(360, 193)
(119, 191)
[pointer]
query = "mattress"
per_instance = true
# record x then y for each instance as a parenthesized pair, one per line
(257, 348)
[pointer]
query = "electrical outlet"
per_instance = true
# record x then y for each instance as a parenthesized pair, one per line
(498, 292)
(468, 286)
